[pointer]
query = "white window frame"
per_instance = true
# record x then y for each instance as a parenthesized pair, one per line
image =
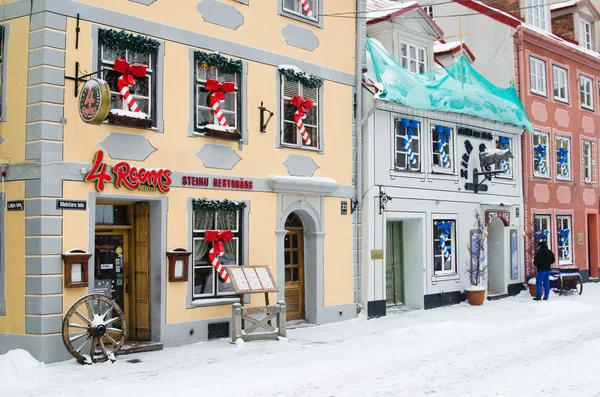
(428, 10)
(538, 137)
(407, 61)
(586, 36)
(200, 85)
(586, 92)
(588, 159)
(561, 222)
(543, 222)
(435, 153)
(108, 64)
(510, 162)
(537, 76)
(400, 133)
(199, 235)
(537, 13)
(560, 78)
(316, 103)
(559, 141)
(440, 256)
(297, 11)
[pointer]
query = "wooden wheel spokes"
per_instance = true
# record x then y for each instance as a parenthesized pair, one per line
(102, 336)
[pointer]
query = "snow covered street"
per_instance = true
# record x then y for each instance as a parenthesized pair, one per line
(510, 347)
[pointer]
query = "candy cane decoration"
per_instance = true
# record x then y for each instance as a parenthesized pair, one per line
(444, 134)
(306, 8)
(563, 160)
(218, 95)
(445, 229)
(541, 154)
(564, 238)
(303, 106)
(504, 144)
(217, 250)
(128, 72)
(409, 125)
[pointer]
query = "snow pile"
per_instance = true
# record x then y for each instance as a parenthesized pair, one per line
(127, 113)
(19, 370)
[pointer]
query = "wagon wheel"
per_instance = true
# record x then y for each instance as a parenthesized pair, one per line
(580, 285)
(562, 286)
(99, 330)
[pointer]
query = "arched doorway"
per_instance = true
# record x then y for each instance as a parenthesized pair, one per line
(294, 267)
(497, 258)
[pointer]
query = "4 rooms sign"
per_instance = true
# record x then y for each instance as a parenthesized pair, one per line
(133, 178)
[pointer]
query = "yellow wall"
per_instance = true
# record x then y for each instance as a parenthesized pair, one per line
(261, 28)
(14, 241)
(13, 130)
(337, 264)
(176, 150)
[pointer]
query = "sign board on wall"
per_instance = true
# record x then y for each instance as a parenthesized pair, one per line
(514, 254)
(251, 279)
(223, 183)
(129, 176)
(16, 205)
(70, 205)
(94, 101)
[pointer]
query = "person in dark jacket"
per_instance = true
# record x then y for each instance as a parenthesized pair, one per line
(544, 258)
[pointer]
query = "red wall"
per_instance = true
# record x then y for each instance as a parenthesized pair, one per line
(549, 195)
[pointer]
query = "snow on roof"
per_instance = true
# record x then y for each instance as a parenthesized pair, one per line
(491, 12)
(441, 47)
(561, 40)
(563, 4)
(377, 9)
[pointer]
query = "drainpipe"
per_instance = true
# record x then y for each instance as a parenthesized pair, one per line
(360, 37)
(525, 154)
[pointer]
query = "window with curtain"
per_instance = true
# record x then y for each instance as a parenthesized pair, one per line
(206, 281)
(541, 152)
(588, 158)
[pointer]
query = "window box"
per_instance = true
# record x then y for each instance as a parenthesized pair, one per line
(214, 131)
(122, 118)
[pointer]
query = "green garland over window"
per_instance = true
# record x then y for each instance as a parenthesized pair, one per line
(223, 64)
(307, 80)
(126, 41)
(217, 205)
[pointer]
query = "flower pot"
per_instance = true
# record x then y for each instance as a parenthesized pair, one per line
(532, 289)
(475, 297)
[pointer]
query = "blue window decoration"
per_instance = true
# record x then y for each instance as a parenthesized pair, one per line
(563, 159)
(444, 135)
(564, 239)
(409, 125)
(542, 235)
(445, 228)
(541, 155)
(504, 144)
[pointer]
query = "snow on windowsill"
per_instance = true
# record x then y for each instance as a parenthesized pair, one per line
(216, 127)
(126, 113)
(291, 67)
(476, 288)
(215, 302)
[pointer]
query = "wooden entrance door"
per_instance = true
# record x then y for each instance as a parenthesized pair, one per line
(294, 268)
(394, 270)
(122, 268)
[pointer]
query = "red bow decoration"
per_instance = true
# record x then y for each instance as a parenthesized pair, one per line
(129, 71)
(219, 89)
(218, 249)
(303, 105)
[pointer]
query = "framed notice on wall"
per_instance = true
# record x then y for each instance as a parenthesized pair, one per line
(514, 254)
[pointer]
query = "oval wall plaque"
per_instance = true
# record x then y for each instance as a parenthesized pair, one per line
(94, 101)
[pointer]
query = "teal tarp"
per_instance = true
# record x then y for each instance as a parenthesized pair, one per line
(456, 89)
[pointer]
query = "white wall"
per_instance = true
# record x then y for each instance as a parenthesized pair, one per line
(490, 41)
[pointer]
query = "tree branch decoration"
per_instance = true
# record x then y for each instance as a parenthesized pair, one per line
(217, 205)
(122, 41)
(307, 80)
(223, 64)
(477, 263)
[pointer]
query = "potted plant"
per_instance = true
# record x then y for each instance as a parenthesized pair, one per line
(477, 264)
(532, 240)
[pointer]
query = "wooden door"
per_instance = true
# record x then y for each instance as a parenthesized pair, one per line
(140, 278)
(294, 268)
(394, 272)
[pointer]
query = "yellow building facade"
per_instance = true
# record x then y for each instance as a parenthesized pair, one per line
(139, 184)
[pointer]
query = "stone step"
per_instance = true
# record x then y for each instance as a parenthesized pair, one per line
(131, 347)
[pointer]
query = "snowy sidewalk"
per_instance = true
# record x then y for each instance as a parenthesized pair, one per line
(510, 347)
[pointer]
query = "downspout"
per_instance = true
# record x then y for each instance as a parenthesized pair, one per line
(360, 37)
(524, 139)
